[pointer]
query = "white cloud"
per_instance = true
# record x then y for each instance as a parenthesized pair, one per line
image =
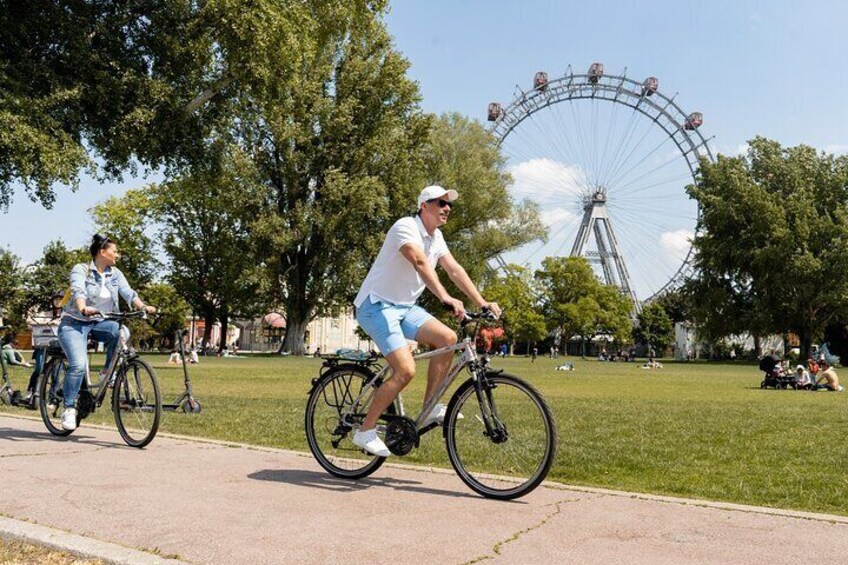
(675, 244)
(546, 181)
(555, 216)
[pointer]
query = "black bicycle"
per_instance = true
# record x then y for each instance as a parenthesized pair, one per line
(136, 400)
(498, 430)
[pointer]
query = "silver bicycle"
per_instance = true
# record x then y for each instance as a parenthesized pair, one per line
(498, 429)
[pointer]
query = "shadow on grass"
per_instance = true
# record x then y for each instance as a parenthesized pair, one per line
(27, 435)
(314, 479)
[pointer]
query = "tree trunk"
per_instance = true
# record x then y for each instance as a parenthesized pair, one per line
(806, 340)
(225, 323)
(208, 320)
(512, 348)
(758, 347)
(293, 342)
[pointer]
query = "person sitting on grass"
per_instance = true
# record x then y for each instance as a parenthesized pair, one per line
(802, 378)
(175, 358)
(828, 374)
(13, 357)
(812, 367)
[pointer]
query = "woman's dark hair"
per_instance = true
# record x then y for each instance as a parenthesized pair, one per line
(99, 242)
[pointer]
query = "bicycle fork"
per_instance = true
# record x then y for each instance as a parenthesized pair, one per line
(495, 429)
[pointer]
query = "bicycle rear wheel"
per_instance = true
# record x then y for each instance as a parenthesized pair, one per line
(137, 403)
(51, 402)
(512, 457)
(330, 439)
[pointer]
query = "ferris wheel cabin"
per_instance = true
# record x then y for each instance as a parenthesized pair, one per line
(694, 121)
(540, 81)
(495, 111)
(596, 71)
(650, 86)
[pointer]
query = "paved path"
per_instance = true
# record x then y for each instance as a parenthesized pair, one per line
(213, 503)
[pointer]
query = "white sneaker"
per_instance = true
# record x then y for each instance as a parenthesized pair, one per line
(69, 419)
(371, 442)
(437, 415)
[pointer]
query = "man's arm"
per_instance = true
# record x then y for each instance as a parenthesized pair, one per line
(415, 255)
(457, 274)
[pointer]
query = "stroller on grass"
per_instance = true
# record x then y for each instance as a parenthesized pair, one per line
(775, 374)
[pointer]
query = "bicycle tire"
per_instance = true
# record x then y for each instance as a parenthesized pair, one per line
(137, 403)
(330, 396)
(518, 464)
(50, 400)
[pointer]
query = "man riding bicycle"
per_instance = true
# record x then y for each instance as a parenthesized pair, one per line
(386, 306)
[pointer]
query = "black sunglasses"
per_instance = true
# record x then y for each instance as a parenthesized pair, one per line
(442, 202)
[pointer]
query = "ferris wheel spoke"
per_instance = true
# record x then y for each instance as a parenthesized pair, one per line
(582, 143)
(563, 129)
(605, 162)
(618, 181)
(635, 146)
(623, 139)
(674, 181)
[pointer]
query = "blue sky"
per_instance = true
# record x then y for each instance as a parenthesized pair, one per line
(773, 68)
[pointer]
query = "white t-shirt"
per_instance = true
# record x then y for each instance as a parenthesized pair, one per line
(392, 277)
(104, 302)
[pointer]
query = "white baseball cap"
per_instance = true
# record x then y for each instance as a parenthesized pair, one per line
(436, 191)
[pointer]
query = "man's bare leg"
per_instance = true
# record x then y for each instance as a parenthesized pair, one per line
(435, 334)
(403, 369)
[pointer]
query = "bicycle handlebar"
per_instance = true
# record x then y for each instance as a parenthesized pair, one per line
(120, 316)
(483, 314)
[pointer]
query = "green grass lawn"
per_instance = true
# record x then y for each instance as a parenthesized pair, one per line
(690, 429)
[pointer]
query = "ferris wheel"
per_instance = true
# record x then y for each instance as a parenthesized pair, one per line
(607, 159)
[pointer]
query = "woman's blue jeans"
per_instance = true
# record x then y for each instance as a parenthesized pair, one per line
(73, 336)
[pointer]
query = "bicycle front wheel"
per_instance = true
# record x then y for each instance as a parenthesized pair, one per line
(51, 402)
(513, 454)
(137, 403)
(330, 439)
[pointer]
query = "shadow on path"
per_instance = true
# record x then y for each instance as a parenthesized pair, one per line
(314, 479)
(13, 434)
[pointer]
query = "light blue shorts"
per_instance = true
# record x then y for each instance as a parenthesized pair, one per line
(390, 325)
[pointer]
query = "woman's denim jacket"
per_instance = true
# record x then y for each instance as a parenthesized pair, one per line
(88, 287)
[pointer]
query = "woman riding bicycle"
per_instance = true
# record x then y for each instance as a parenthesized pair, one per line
(94, 290)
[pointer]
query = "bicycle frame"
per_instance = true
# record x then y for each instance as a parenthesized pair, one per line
(468, 357)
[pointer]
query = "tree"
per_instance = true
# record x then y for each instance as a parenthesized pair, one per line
(575, 302)
(654, 328)
(12, 299)
(206, 232)
(172, 309)
(116, 77)
(775, 224)
(517, 296)
(125, 220)
(51, 273)
(335, 144)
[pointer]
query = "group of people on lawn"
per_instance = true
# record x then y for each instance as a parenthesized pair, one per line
(817, 375)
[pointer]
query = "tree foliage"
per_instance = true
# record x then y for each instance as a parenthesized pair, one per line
(12, 297)
(576, 303)
(126, 220)
(205, 221)
(112, 77)
(516, 293)
(654, 328)
(772, 251)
